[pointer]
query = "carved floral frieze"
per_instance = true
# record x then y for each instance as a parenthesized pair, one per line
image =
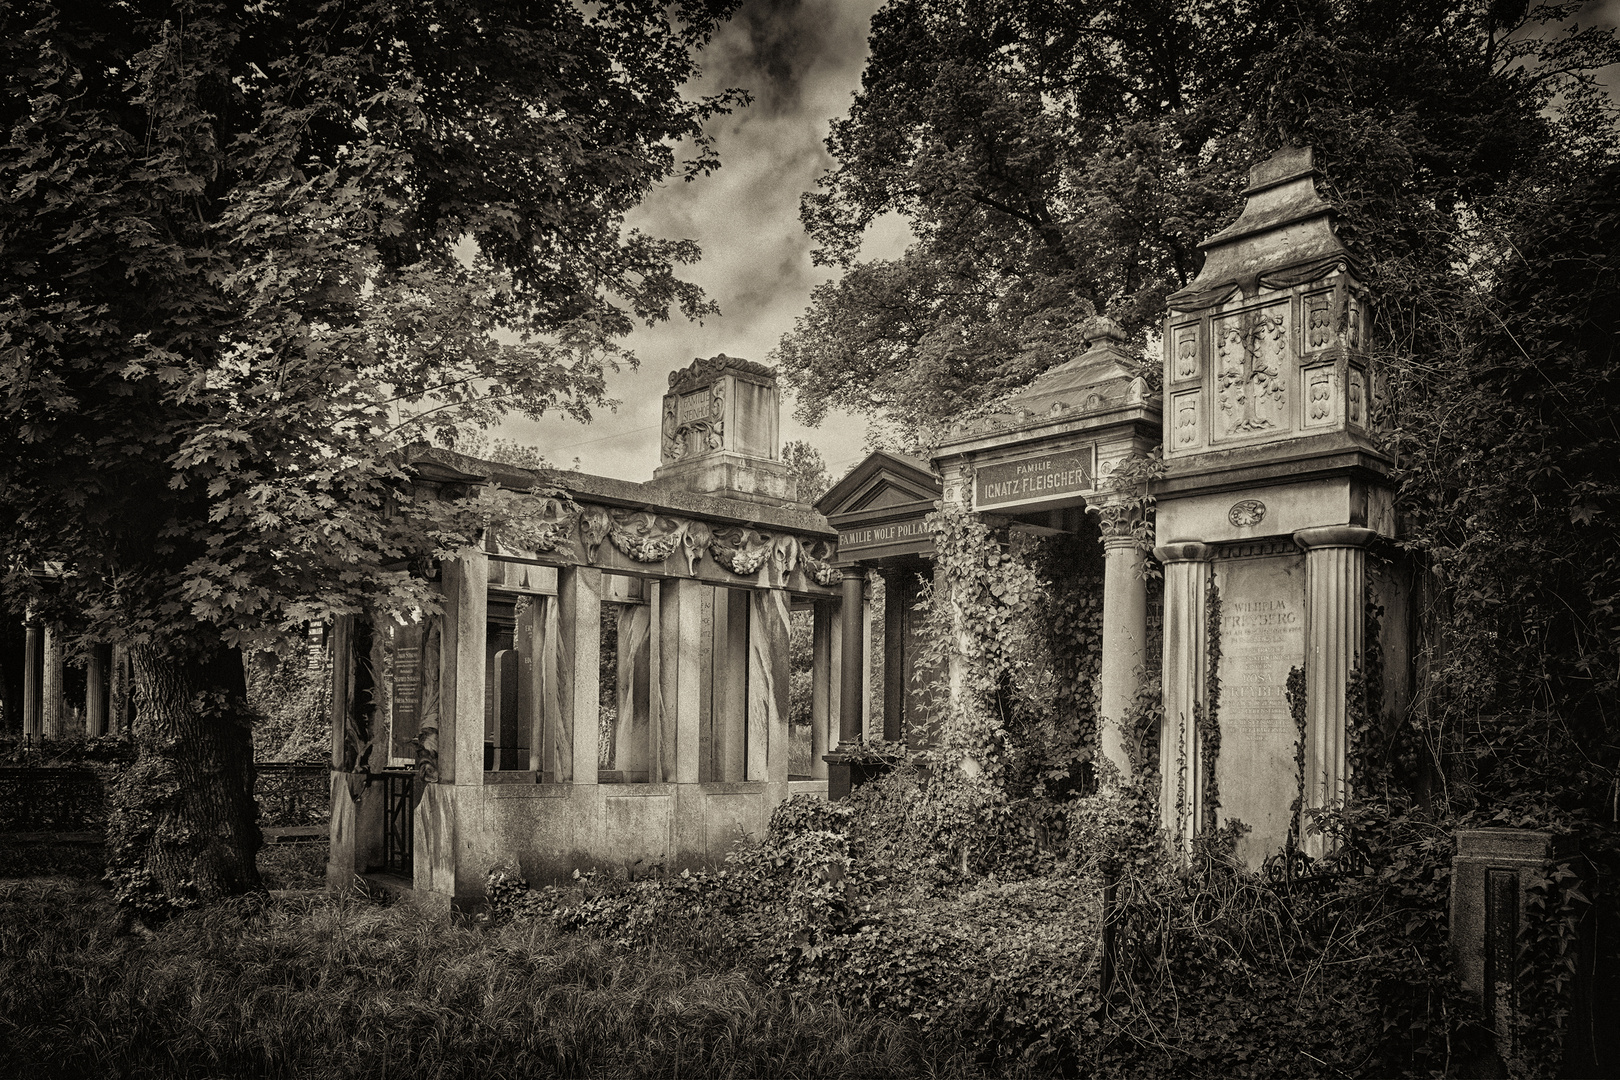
(649, 537)
(645, 537)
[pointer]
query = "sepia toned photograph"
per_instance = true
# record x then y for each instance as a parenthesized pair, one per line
(809, 539)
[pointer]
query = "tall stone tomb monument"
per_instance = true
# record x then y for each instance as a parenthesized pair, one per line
(1272, 518)
(721, 426)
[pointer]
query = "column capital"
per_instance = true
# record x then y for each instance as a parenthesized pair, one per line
(1116, 522)
(1334, 536)
(1183, 551)
(855, 573)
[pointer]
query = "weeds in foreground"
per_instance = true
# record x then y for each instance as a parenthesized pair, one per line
(322, 987)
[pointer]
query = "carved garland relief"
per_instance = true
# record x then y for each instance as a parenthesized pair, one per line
(648, 537)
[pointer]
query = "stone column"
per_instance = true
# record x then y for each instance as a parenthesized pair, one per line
(1335, 602)
(894, 653)
(33, 677)
(823, 707)
(851, 688)
(868, 728)
(469, 587)
(729, 699)
(337, 643)
(579, 669)
(51, 704)
(95, 690)
(1186, 657)
(768, 685)
(1124, 632)
(121, 691)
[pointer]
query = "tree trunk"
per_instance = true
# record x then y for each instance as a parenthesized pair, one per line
(183, 827)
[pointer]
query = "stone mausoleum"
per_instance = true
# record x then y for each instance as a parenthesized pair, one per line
(614, 692)
(612, 688)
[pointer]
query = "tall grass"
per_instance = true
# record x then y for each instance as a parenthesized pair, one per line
(324, 987)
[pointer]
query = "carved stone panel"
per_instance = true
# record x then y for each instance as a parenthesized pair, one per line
(1319, 330)
(1184, 354)
(1321, 397)
(1253, 367)
(1186, 429)
(1356, 396)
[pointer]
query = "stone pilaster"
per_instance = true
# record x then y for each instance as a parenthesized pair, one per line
(579, 599)
(1335, 597)
(1186, 659)
(467, 584)
(681, 614)
(1124, 631)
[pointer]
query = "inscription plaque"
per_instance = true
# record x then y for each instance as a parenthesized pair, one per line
(693, 407)
(893, 532)
(1041, 478)
(406, 712)
(1262, 637)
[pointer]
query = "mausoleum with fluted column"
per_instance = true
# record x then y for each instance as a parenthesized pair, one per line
(1273, 517)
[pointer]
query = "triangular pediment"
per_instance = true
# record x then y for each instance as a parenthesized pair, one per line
(881, 481)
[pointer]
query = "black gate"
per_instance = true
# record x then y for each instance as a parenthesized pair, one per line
(398, 826)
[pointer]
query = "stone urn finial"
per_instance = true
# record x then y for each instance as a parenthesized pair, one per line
(1100, 329)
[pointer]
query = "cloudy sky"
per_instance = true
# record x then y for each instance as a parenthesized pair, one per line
(802, 60)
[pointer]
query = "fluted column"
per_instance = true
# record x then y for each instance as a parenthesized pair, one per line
(33, 677)
(1186, 651)
(1335, 588)
(1124, 632)
(51, 703)
(96, 670)
(851, 681)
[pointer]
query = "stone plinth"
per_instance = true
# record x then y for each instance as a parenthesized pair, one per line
(720, 433)
(1489, 878)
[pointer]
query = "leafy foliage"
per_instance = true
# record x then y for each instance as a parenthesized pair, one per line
(321, 986)
(246, 253)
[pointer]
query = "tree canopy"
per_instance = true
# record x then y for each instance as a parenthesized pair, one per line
(249, 250)
(1059, 160)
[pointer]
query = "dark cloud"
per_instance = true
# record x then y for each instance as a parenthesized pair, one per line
(770, 46)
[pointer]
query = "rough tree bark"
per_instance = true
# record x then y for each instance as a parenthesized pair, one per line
(183, 828)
